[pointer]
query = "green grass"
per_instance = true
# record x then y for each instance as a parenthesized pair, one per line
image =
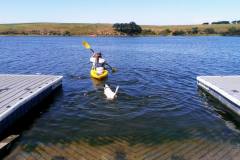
(220, 28)
(74, 29)
(98, 29)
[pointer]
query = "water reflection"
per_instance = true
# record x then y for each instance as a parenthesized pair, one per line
(98, 84)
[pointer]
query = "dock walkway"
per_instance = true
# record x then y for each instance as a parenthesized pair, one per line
(19, 93)
(224, 88)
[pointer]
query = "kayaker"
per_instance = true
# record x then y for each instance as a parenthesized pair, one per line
(98, 62)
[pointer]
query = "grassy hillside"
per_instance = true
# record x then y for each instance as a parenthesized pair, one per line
(57, 28)
(102, 29)
(219, 28)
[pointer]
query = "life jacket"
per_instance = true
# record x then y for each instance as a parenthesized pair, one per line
(100, 62)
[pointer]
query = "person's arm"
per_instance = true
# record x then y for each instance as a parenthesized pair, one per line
(93, 59)
(105, 63)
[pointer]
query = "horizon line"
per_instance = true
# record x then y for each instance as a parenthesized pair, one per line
(16, 23)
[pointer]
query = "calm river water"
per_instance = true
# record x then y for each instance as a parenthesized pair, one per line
(158, 102)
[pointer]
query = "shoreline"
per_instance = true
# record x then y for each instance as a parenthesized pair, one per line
(107, 30)
(202, 35)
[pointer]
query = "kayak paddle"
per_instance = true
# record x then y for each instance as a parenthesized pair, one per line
(87, 46)
(112, 68)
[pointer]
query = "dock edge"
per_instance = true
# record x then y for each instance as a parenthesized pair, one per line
(229, 101)
(19, 109)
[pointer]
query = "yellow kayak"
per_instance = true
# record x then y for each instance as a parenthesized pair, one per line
(94, 74)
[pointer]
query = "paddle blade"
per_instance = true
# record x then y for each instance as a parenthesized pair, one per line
(86, 45)
(114, 69)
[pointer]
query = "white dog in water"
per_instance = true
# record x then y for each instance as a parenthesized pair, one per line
(109, 93)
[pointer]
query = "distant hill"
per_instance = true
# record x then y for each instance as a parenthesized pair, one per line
(76, 29)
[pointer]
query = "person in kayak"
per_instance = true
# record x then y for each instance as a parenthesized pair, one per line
(98, 63)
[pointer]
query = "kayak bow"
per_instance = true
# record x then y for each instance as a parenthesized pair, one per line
(94, 74)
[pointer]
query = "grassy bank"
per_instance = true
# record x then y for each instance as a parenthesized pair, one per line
(67, 29)
(220, 28)
(56, 29)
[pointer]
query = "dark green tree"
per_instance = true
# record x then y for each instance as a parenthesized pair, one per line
(221, 22)
(235, 22)
(66, 33)
(194, 30)
(127, 28)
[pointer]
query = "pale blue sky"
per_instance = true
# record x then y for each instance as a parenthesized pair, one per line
(158, 12)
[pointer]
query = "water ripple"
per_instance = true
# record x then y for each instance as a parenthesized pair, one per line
(158, 97)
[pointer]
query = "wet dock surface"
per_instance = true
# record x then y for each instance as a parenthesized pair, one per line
(121, 149)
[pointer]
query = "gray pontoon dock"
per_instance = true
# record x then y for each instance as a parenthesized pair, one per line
(19, 93)
(224, 88)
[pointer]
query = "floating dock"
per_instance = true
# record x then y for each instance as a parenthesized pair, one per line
(224, 88)
(19, 93)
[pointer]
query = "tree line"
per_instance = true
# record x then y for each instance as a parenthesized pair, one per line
(133, 29)
(223, 22)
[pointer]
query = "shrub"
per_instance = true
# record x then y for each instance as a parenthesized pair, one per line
(10, 31)
(235, 22)
(36, 32)
(24, 33)
(148, 32)
(165, 32)
(233, 31)
(178, 33)
(221, 22)
(195, 30)
(54, 33)
(66, 33)
(209, 31)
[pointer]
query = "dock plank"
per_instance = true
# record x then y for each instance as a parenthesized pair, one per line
(18, 91)
(25, 86)
(6, 83)
(13, 97)
(19, 86)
